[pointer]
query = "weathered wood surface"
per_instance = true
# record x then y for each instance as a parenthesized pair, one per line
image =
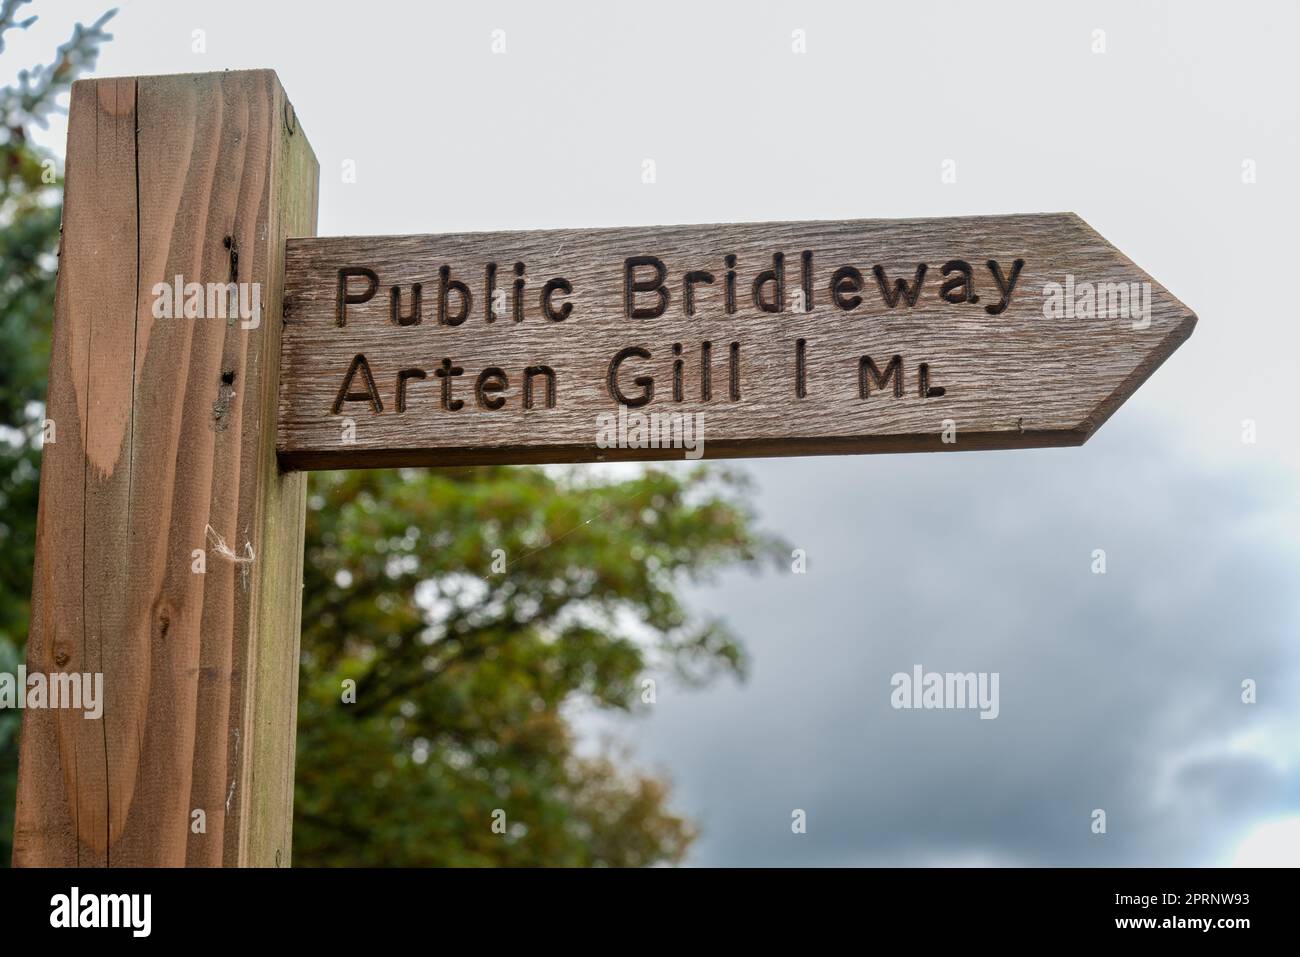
(1009, 376)
(165, 428)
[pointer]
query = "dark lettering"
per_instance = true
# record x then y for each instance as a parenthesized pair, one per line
(688, 288)
(846, 283)
(632, 285)
(445, 285)
(1004, 287)
(948, 292)
(775, 279)
(491, 379)
(548, 307)
(867, 369)
(546, 372)
(413, 317)
(899, 289)
(646, 383)
(402, 376)
(445, 372)
(346, 298)
(371, 394)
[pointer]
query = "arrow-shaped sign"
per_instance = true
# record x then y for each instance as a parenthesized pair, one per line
(712, 341)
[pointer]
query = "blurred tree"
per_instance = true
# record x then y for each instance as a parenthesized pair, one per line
(468, 665)
(31, 190)
(454, 621)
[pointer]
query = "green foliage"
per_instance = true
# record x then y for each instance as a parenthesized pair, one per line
(476, 610)
(30, 195)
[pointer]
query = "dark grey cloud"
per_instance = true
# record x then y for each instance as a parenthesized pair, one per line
(1118, 691)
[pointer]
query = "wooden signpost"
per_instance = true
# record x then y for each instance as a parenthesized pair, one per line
(774, 338)
(172, 503)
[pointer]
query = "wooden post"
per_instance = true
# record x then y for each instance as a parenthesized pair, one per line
(169, 553)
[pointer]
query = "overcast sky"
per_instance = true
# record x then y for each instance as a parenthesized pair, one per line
(1119, 691)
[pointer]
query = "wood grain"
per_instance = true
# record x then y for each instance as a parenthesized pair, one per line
(165, 427)
(1010, 377)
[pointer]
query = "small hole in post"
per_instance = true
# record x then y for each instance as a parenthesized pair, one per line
(228, 377)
